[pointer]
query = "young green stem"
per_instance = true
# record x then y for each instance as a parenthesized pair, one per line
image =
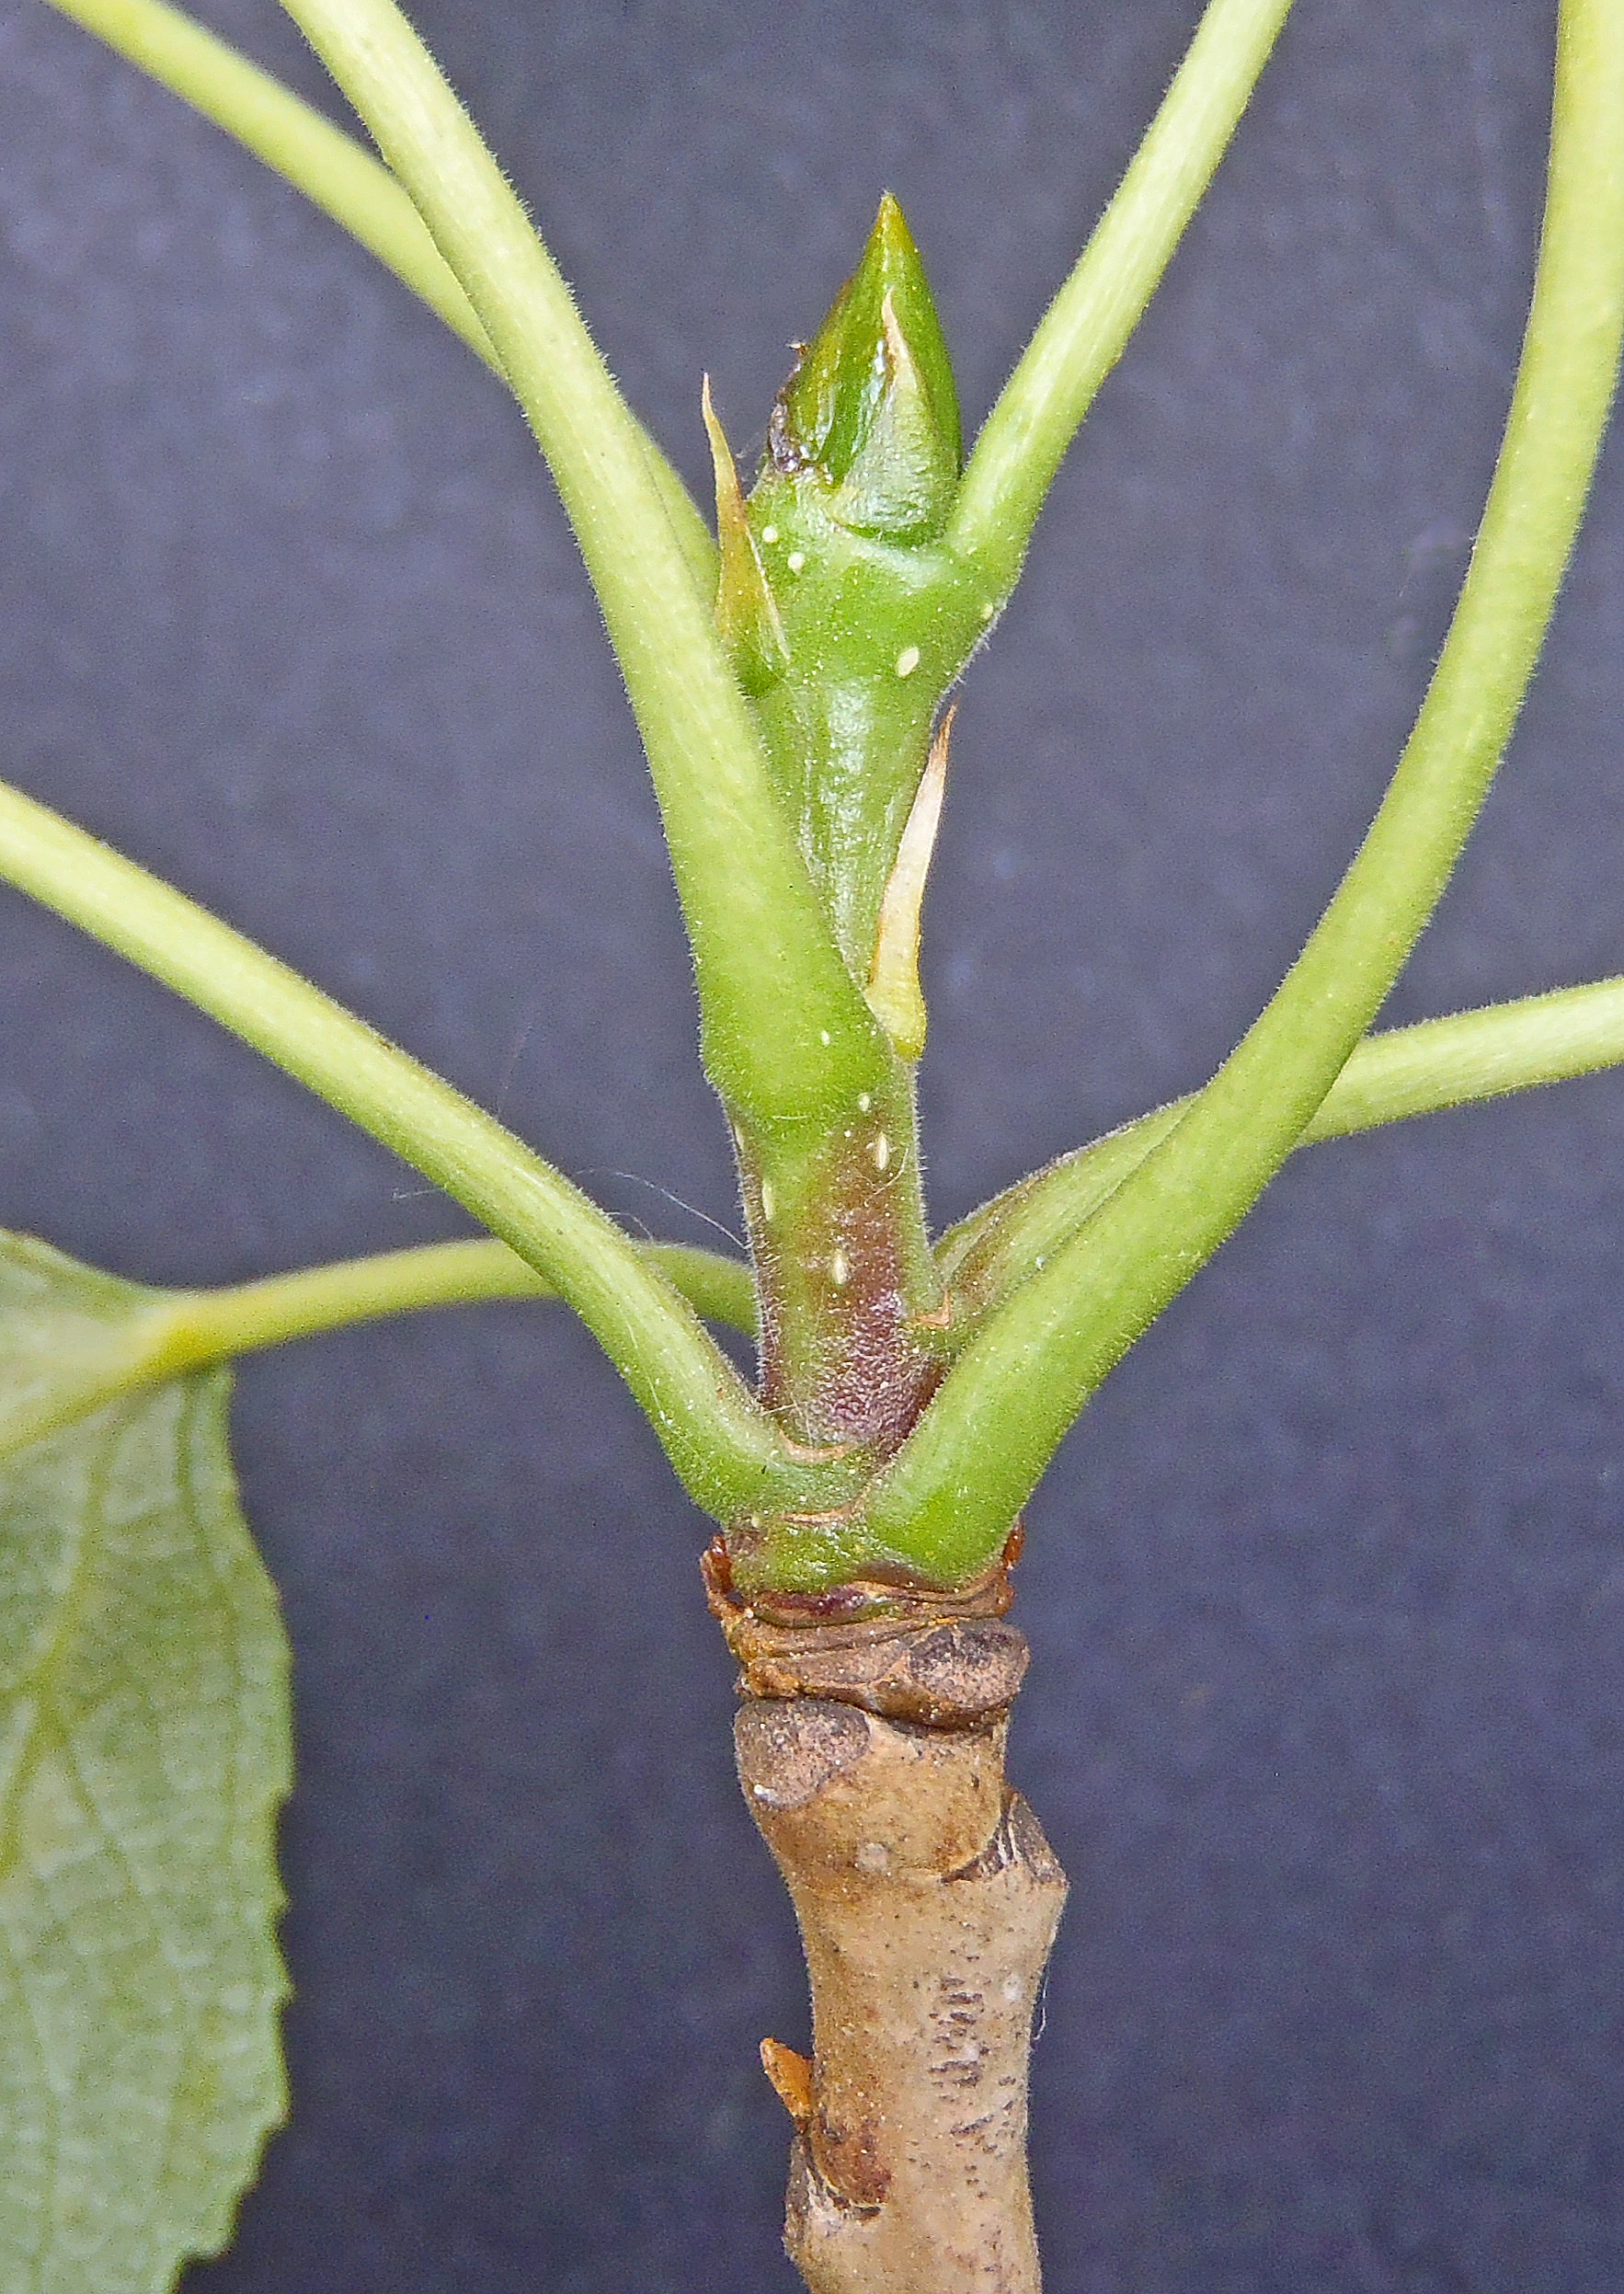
(1407, 1072)
(843, 1271)
(723, 1446)
(949, 1497)
(786, 1036)
(1084, 333)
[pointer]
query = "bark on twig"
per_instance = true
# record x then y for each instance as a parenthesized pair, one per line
(871, 1756)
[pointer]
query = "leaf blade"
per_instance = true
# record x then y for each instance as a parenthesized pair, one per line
(145, 1750)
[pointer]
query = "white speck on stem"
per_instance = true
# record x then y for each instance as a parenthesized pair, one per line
(795, 560)
(873, 1856)
(769, 533)
(864, 1103)
(839, 1269)
(879, 1151)
(824, 1037)
(769, 1201)
(907, 660)
(988, 612)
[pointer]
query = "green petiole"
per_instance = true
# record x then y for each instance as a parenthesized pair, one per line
(945, 1502)
(723, 1446)
(1470, 1057)
(338, 176)
(1391, 1078)
(200, 1327)
(1085, 329)
(787, 1037)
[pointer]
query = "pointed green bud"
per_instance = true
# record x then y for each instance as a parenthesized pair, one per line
(872, 407)
(747, 613)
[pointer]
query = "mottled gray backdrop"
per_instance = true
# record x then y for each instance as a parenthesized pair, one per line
(1326, 1590)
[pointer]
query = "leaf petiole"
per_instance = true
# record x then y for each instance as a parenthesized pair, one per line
(948, 1498)
(1083, 332)
(785, 1035)
(723, 1446)
(197, 1326)
(1405, 1072)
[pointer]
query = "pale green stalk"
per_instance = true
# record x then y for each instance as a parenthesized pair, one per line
(179, 1331)
(1477, 1055)
(196, 1326)
(1083, 332)
(725, 1448)
(336, 174)
(963, 1473)
(1421, 1070)
(1435, 1064)
(785, 1033)
(293, 138)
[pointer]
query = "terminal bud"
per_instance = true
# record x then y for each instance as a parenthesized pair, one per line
(872, 407)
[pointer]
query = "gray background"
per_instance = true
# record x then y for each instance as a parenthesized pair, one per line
(1325, 1590)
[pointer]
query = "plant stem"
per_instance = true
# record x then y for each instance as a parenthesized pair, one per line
(871, 1756)
(785, 1033)
(949, 1497)
(927, 1899)
(723, 1446)
(1085, 329)
(1407, 1072)
(1485, 1054)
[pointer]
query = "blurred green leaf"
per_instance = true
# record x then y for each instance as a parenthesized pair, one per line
(144, 1749)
